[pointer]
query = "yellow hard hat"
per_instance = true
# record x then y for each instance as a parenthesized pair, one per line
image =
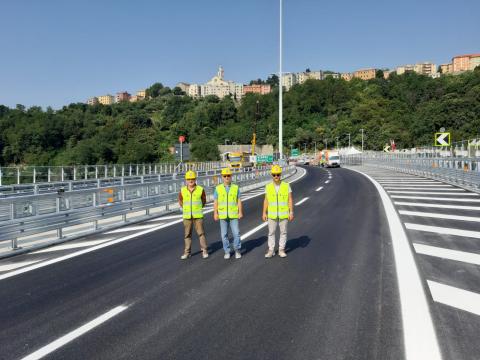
(276, 169)
(190, 175)
(226, 171)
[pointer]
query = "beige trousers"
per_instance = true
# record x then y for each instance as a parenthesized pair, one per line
(189, 224)
(272, 230)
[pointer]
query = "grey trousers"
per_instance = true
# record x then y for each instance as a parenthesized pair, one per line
(272, 230)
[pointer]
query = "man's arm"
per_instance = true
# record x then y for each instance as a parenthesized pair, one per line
(290, 206)
(180, 199)
(240, 209)
(204, 198)
(265, 208)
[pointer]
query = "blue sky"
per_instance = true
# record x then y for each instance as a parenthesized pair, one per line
(54, 52)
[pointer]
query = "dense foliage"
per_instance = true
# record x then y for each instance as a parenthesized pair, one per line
(407, 108)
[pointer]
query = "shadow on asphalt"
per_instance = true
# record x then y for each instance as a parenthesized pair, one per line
(300, 242)
(254, 243)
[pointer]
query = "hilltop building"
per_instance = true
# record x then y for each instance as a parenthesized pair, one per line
(261, 89)
(106, 99)
(92, 101)
(465, 62)
(365, 74)
(122, 96)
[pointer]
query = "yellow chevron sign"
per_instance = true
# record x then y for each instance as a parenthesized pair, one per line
(442, 139)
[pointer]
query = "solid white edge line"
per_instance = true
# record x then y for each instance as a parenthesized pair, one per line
(448, 254)
(445, 193)
(443, 230)
(420, 339)
(47, 349)
(302, 201)
(320, 188)
(458, 298)
(110, 243)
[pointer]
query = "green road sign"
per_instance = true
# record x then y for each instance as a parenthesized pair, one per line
(265, 158)
(442, 139)
(295, 152)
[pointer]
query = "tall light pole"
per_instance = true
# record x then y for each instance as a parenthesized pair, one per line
(348, 140)
(280, 90)
(362, 138)
(337, 143)
(315, 153)
(305, 148)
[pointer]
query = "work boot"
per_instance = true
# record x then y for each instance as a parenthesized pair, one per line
(226, 256)
(185, 256)
(282, 253)
(269, 254)
(205, 253)
(237, 254)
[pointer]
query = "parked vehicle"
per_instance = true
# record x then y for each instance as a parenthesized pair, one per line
(330, 158)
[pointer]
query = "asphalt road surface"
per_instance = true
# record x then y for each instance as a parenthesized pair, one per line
(334, 297)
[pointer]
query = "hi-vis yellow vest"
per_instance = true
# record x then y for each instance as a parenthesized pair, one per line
(227, 202)
(192, 203)
(277, 202)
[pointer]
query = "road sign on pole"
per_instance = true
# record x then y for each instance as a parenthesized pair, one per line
(442, 139)
(295, 152)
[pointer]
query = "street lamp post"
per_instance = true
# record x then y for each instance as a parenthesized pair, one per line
(315, 153)
(337, 143)
(362, 138)
(305, 148)
(348, 140)
(280, 90)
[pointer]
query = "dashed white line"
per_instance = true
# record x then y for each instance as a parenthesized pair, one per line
(320, 188)
(254, 230)
(301, 201)
(458, 298)
(423, 186)
(434, 198)
(420, 340)
(449, 254)
(439, 216)
(443, 230)
(44, 351)
(438, 206)
(326, 182)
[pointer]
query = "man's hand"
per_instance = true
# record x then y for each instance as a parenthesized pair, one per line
(290, 216)
(240, 215)
(215, 216)
(264, 217)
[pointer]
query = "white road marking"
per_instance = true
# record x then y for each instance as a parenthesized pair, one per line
(165, 218)
(405, 182)
(434, 198)
(443, 230)
(458, 298)
(320, 188)
(130, 228)
(432, 193)
(326, 182)
(422, 188)
(455, 255)
(439, 216)
(47, 349)
(438, 206)
(111, 243)
(301, 201)
(12, 266)
(254, 230)
(69, 246)
(420, 340)
(425, 186)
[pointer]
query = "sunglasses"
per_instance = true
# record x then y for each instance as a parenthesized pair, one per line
(276, 175)
(227, 176)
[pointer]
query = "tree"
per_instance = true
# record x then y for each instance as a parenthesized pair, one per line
(379, 74)
(154, 90)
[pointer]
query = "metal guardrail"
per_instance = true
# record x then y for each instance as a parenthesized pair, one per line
(34, 214)
(45, 174)
(459, 171)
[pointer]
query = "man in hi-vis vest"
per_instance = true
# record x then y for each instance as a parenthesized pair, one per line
(227, 207)
(278, 210)
(192, 199)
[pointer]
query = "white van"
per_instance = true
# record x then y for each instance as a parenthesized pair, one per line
(332, 159)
